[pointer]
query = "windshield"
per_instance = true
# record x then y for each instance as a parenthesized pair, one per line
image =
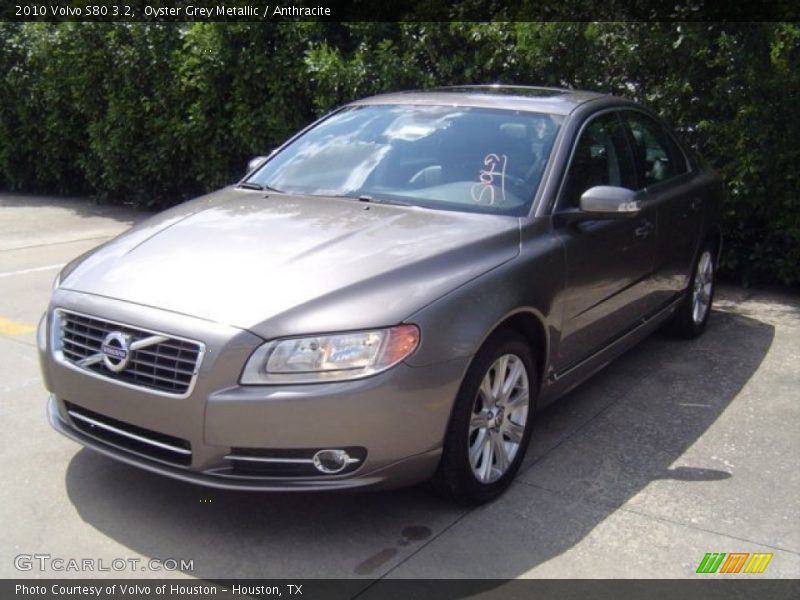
(442, 157)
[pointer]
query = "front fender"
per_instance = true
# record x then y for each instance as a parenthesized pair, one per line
(457, 324)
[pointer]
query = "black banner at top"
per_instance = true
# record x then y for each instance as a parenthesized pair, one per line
(159, 11)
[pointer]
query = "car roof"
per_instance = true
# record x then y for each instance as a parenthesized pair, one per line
(551, 100)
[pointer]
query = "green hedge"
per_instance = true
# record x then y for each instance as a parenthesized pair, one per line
(151, 114)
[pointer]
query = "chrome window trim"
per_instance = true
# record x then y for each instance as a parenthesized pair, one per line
(58, 355)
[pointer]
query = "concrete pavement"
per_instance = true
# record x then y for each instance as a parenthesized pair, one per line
(675, 450)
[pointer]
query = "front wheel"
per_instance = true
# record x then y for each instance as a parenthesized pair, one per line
(692, 316)
(490, 426)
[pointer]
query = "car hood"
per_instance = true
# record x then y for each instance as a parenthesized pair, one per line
(279, 264)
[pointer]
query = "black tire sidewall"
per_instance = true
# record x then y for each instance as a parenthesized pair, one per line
(683, 324)
(695, 329)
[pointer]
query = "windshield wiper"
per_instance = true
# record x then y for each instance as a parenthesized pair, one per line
(261, 188)
(368, 198)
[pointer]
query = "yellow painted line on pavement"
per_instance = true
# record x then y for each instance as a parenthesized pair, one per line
(9, 327)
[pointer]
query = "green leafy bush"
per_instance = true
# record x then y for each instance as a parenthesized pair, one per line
(151, 114)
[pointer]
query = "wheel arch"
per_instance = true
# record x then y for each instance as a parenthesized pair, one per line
(530, 325)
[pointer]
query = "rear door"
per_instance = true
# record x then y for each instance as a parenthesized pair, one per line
(663, 174)
(609, 261)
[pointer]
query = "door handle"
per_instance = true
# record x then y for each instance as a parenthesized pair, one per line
(695, 205)
(644, 230)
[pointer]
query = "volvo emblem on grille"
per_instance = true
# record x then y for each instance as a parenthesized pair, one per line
(116, 351)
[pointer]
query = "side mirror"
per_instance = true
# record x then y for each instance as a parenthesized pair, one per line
(255, 163)
(609, 202)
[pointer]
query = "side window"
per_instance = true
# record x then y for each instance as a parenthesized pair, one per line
(678, 158)
(655, 155)
(600, 158)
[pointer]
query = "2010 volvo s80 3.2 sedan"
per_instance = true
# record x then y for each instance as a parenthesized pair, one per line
(388, 297)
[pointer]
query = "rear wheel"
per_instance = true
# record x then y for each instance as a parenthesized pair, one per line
(692, 316)
(490, 426)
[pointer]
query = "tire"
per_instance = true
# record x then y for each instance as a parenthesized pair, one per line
(489, 430)
(692, 315)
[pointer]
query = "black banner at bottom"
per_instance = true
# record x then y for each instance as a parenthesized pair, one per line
(405, 589)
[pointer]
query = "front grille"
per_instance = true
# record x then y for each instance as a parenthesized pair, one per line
(152, 444)
(168, 366)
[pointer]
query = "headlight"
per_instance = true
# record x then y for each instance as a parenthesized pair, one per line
(320, 358)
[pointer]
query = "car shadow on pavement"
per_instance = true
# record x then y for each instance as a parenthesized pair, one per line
(603, 442)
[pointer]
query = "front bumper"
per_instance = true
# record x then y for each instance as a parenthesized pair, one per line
(399, 416)
(405, 472)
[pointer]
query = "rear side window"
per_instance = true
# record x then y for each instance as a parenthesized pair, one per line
(656, 156)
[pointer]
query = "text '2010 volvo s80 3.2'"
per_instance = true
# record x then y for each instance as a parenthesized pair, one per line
(388, 297)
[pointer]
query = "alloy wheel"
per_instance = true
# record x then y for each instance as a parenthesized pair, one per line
(499, 417)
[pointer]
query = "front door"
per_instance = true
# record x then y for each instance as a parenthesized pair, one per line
(609, 261)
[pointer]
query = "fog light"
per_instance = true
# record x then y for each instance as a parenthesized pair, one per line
(332, 461)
